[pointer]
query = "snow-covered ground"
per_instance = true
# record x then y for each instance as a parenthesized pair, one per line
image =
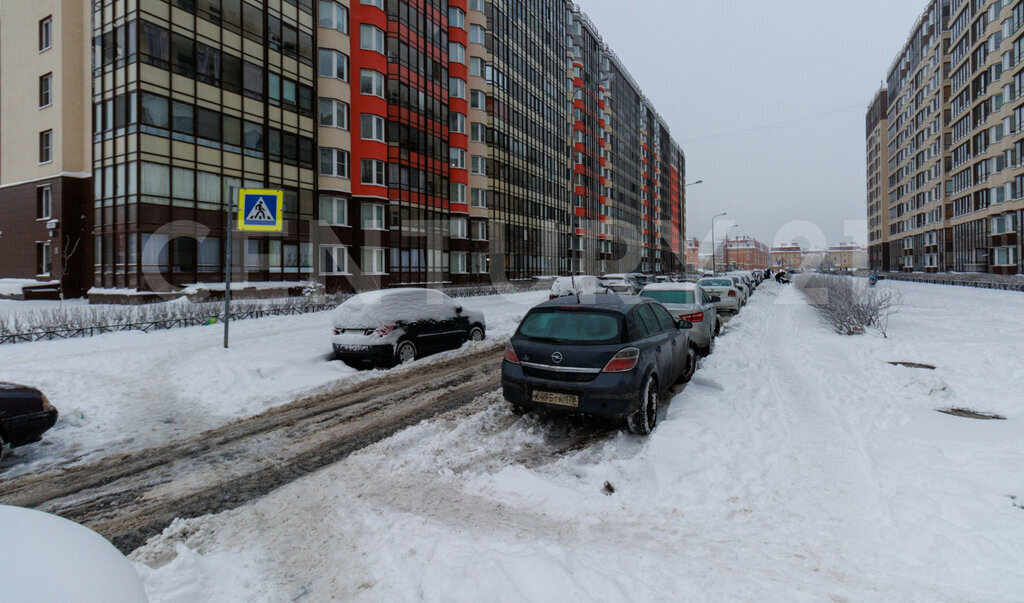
(798, 465)
(126, 391)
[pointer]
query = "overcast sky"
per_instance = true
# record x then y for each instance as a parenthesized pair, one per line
(767, 99)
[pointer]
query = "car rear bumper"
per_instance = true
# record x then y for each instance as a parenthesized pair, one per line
(365, 354)
(28, 428)
(609, 395)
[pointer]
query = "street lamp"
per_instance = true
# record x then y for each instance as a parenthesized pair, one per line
(714, 254)
(693, 183)
(725, 247)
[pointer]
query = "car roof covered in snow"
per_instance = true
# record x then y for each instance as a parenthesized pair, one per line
(376, 308)
(671, 287)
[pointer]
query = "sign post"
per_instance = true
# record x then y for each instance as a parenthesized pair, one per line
(259, 210)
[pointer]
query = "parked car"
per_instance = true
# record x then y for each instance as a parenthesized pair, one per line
(49, 558)
(690, 303)
(396, 326)
(746, 281)
(622, 283)
(25, 415)
(741, 287)
(725, 290)
(608, 356)
(582, 284)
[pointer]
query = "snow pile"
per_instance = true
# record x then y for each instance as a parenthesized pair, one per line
(47, 558)
(798, 465)
(12, 287)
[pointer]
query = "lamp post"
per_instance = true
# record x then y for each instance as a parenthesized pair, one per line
(725, 246)
(714, 253)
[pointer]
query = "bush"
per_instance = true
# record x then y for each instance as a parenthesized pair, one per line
(849, 305)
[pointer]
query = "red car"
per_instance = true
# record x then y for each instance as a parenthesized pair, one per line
(25, 415)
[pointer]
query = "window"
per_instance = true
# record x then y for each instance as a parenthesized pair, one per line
(456, 17)
(459, 228)
(478, 99)
(456, 53)
(378, 3)
(457, 158)
(154, 111)
(457, 192)
(182, 118)
(209, 255)
(479, 231)
(456, 87)
(476, 66)
(333, 162)
(333, 259)
(372, 172)
(45, 34)
(478, 197)
(372, 215)
(373, 260)
(333, 64)
(43, 258)
(44, 201)
(333, 16)
(45, 90)
(458, 262)
(45, 146)
(333, 211)
(479, 261)
(476, 34)
(457, 123)
(371, 82)
(478, 165)
(478, 132)
(371, 127)
(476, 5)
(371, 38)
(334, 113)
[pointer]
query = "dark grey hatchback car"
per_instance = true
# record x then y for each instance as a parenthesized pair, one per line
(607, 356)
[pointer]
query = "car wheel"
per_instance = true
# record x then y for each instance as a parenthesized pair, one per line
(406, 352)
(476, 334)
(691, 366)
(643, 420)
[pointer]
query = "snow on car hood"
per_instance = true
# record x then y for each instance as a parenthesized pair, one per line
(374, 309)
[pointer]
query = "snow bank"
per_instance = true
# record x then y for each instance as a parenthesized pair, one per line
(13, 286)
(797, 465)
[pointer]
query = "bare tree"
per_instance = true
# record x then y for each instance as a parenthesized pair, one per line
(67, 251)
(849, 305)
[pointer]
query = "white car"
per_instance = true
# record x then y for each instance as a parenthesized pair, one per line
(729, 297)
(622, 283)
(48, 558)
(396, 326)
(583, 284)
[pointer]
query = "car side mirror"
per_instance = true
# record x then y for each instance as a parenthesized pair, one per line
(685, 324)
(716, 298)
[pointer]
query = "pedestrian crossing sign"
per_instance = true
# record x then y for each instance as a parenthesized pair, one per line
(260, 210)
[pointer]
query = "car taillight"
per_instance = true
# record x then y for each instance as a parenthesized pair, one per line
(732, 293)
(624, 361)
(551, 297)
(695, 317)
(384, 330)
(337, 331)
(510, 354)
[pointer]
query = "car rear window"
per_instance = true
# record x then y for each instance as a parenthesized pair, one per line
(670, 297)
(718, 282)
(572, 326)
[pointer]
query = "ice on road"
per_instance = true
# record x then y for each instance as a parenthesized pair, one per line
(797, 465)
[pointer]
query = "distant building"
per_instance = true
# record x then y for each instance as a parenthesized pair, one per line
(693, 253)
(746, 253)
(848, 256)
(787, 256)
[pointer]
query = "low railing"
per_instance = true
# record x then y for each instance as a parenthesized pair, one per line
(75, 321)
(981, 281)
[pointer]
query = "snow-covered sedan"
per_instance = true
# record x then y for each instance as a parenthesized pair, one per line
(688, 302)
(583, 284)
(729, 297)
(396, 326)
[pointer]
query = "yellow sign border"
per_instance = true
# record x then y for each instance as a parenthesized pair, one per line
(240, 202)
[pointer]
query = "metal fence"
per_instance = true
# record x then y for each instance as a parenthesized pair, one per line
(980, 281)
(70, 323)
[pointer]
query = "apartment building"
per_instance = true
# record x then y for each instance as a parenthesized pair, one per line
(442, 142)
(745, 253)
(954, 114)
(847, 256)
(877, 130)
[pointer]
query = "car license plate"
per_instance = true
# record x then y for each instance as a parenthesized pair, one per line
(556, 399)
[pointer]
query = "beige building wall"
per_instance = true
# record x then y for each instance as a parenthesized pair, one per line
(328, 87)
(21, 65)
(476, 116)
